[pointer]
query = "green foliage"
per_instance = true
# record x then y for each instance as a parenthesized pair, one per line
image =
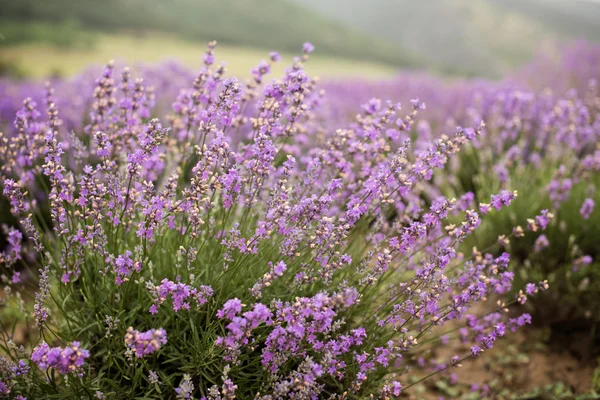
(11, 70)
(555, 391)
(64, 34)
(552, 391)
(596, 380)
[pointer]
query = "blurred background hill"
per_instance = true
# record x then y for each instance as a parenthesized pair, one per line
(480, 37)
(255, 23)
(366, 37)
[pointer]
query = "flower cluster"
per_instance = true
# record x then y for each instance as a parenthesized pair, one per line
(10, 371)
(64, 359)
(179, 292)
(144, 343)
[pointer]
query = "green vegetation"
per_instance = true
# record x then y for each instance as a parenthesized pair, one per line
(571, 303)
(266, 24)
(40, 60)
(66, 34)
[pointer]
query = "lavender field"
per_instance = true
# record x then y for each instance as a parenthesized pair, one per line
(190, 233)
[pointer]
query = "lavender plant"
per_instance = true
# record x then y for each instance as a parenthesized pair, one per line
(548, 150)
(542, 143)
(238, 247)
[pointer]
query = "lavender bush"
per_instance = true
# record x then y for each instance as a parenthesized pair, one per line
(543, 144)
(239, 246)
(546, 147)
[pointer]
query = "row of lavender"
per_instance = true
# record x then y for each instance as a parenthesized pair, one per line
(541, 138)
(258, 239)
(572, 68)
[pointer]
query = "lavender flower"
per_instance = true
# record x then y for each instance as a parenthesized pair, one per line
(180, 293)
(503, 199)
(64, 359)
(39, 309)
(541, 243)
(144, 343)
(308, 48)
(124, 266)
(582, 262)
(185, 389)
(153, 378)
(587, 208)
